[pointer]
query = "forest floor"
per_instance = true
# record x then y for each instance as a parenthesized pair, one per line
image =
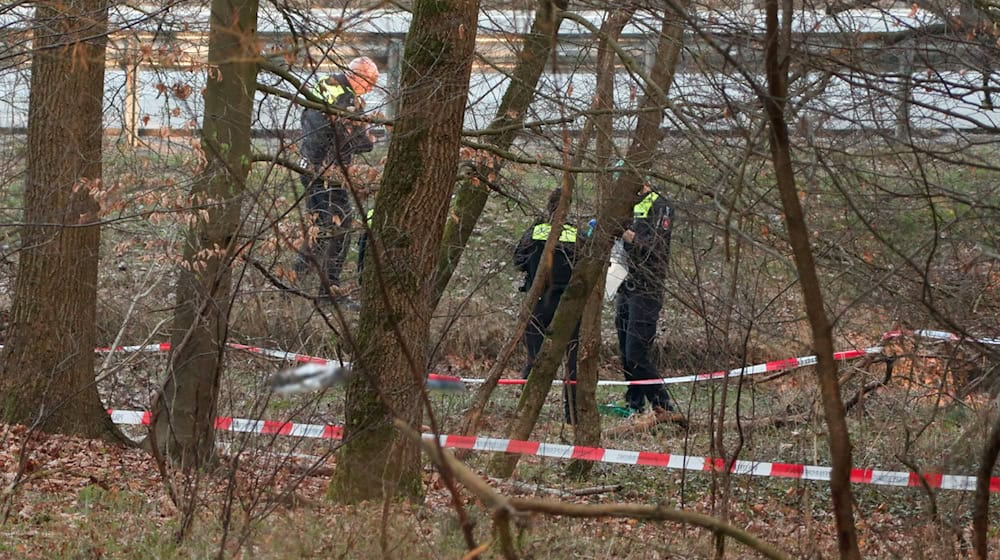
(67, 498)
(70, 498)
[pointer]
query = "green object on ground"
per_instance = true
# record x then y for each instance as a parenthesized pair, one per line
(615, 410)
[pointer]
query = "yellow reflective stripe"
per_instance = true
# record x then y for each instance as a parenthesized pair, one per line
(329, 92)
(642, 209)
(368, 215)
(541, 233)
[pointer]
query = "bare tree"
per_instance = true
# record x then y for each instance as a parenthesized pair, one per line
(406, 233)
(612, 221)
(588, 422)
(185, 408)
(473, 193)
(48, 360)
(776, 70)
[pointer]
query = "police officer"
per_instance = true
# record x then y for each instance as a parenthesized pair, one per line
(527, 257)
(327, 146)
(640, 298)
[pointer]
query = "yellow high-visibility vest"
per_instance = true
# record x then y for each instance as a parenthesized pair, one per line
(541, 233)
(329, 90)
(641, 210)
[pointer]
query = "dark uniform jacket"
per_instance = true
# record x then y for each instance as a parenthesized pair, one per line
(528, 255)
(331, 140)
(649, 252)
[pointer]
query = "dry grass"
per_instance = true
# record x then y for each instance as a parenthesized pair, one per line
(79, 499)
(74, 499)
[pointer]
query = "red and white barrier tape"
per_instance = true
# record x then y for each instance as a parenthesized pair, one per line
(940, 335)
(161, 347)
(280, 354)
(767, 367)
(599, 454)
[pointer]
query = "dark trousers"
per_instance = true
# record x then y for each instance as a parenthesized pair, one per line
(534, 336)
(326, 200)
(636, 312)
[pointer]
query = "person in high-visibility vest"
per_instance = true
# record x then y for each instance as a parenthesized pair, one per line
(328, 145)
(640, 298)
(527, 257)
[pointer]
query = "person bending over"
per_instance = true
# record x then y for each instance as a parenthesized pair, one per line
(328, 144)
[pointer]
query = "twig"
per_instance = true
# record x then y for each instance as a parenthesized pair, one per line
(22, 467)
(276, 281)
(931, 498)
(642, 511)
(529, 488)
(501, 523)
(595, 490)
(981, 505)
(651, 421)
(570, 493)
(772, 377)
(511, 506)
(933, 506)
(105, 372)
(868, 388)
(291, 461)
(128, 315)
(774, 421)
(475, 552)
(154, 450)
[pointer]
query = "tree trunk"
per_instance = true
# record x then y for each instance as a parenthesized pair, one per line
(981, 503)
(407, 228)
(48, 362)
(905, 89)
(186, 408)
(471, 197)
(776, 70)
(587, 430)
(613, 218)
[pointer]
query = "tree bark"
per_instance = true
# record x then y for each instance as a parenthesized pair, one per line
(471, 198)
(186, 407)
(776, 70)
(498, 503)
(407, 227)
(48, 361)
(613, 218)
(981, 505)
(587, 430)
(474, 413)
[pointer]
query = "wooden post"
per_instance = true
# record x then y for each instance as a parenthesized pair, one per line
(649, 56)
(130, 116)
(904, 89)
(393, 60)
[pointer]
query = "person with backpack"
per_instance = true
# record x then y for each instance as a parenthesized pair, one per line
(527, 258)
(328, 145)
(640, 298)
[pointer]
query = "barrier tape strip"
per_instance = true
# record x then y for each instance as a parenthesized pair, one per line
(941, 335)
(280, 354)
(767, 367)
(598, 454)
